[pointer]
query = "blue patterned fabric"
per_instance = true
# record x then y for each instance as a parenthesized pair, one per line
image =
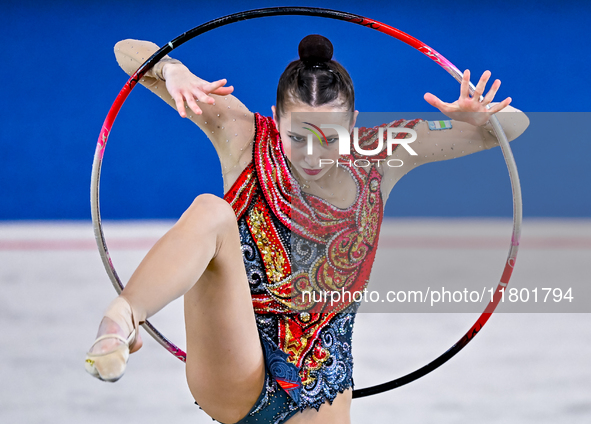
(336, 374)
(274, 405)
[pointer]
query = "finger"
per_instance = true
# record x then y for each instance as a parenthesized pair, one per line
(212, 86)
(500, 106)
(435, 101)
(193, 104)
(223, 91)
(180, 105)
(432, 99)
(492, 92)
(465, 85)
(217, 87)
(207, 99)
(202, 96)
(481, 85)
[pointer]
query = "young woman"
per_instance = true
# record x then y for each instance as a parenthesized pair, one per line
(297, 217)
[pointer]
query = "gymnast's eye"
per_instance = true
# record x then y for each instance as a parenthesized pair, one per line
(332, 140)
(297, 138)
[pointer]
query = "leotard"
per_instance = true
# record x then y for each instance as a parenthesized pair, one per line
(293, 243)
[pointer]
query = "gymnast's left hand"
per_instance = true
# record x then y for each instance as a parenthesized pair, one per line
(471, 109)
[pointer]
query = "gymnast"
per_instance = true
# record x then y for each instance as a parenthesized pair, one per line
(298, 216)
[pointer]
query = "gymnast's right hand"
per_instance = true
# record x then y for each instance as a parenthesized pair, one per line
(184, 86)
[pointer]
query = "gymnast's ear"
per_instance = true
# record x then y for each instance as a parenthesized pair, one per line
(274, 110)
(355, 114)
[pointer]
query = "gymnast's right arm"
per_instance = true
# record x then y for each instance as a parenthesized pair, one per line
(222, 117)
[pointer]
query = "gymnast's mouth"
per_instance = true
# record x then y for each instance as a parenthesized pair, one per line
(312, 171)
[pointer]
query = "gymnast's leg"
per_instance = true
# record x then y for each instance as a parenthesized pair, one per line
(201, 258)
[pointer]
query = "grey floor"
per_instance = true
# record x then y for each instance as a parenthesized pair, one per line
(522, 367)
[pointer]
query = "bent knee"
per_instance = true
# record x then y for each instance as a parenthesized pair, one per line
(210, 211)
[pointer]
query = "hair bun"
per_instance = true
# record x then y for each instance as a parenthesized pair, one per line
(315, 48)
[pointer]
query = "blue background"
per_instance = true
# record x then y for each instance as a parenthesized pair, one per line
(60, 77)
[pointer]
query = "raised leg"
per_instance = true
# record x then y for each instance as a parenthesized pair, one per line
(201, 258)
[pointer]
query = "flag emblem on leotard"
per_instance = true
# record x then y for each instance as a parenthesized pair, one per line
(439, 125)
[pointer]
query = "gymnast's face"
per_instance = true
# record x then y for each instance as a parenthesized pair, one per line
(294, 125)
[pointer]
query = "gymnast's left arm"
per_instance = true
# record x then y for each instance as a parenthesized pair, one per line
(461, 139)
(470, 130)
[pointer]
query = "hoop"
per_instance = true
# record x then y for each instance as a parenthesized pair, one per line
(332, 14)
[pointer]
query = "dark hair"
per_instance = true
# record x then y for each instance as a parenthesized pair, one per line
(315, 79)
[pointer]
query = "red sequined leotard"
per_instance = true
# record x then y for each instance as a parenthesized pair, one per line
(292, 243)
